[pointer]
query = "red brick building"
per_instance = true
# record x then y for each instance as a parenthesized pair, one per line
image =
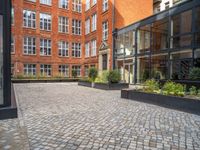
(54, 37)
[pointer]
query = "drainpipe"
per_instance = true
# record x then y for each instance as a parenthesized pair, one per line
(113, 35)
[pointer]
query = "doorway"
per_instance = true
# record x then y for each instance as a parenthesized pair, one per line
(129, 73)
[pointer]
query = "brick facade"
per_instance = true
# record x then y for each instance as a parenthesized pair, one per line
(123, 16)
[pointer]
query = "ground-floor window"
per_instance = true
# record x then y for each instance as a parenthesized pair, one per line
(143, 68)
(197, 58)
(45, 70)
(64, 70)
(159, 66)
(77, 69)
(86, 71)
(180, 64)
(29, 69)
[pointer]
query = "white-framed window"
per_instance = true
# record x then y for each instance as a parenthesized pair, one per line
(29, 19)
(29, 45)
(76, 50)
(63, 26)
(45, 70)
(64, 70)
(87, 26)
(105, 5)
(87, 6)
(76, 27)
(76, 5)
(12, 44)
(94, 2)
(105, 30)
(29, 69)
(94, 22)
(12, 70)
(64, 4)
(63, 47)
(93, 48)
(87, 49)
(45, 47)
(77, 69)
(46, 2)
(167, 5)
(12, 15)
(45, 22)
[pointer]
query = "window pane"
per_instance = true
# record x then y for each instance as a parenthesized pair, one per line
(197, 58)
(181, 63)
(159, 66)
(144, 39)
(197, 20)
(160, 35)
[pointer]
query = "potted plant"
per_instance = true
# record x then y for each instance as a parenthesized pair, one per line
(93, 73)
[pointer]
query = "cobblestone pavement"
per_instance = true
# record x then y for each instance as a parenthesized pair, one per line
(65, 116)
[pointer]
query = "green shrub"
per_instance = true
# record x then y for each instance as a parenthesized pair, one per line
(74, 73)
(102, 78)
(113, 76)
(85, 80)
(172, 88)
(93, 73)
(198, 92)
(194, 74)
(151, 86)
(193, 90)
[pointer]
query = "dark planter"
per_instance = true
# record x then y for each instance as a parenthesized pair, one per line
(42, 80)
(111, 86)
(105, 86)
(9, 112)
(188, 83)
(179, 103)
(85, 83)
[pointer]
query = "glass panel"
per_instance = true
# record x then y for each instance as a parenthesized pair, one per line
(126, 41)
(181, 62)
(186, 21)
(197, 39)
(159, 67)
(197, 20)
(197, 58)
(1, 60)
(160, 35)
(182, 41)
(144, 39)
(182, 23)
(143, 72)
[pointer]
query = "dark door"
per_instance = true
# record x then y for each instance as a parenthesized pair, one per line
(104, 61)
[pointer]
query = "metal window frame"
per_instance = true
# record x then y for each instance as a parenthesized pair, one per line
(5, 11)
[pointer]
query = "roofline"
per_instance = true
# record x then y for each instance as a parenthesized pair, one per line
(166, 13)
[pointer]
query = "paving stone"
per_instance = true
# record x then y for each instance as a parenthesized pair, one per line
(66, 116)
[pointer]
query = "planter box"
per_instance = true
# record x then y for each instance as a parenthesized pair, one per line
(42, 80)
(112, 86)
(179, 103)
(105, 86)
(85, 83)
